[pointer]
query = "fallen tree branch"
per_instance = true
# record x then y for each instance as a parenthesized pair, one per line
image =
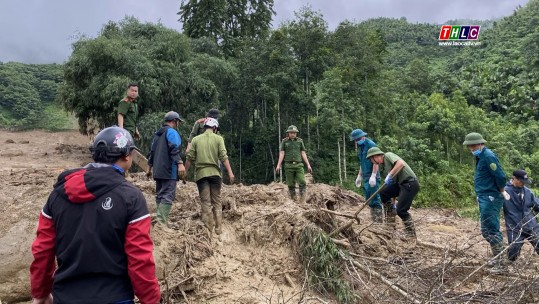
(387, 282)
(343, 243)
(341, 229)
(338, 213)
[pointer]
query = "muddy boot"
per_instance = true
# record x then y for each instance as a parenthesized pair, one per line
(376, 216)
(389, 214)
(499, 262)
(409, 228)
(218, 217)
(163, 210)
(302, 194)
(207, 218)
(292, 194)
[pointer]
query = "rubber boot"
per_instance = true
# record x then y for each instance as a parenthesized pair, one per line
(499, 262)
(218, 218)
(409, 228)
(389, 213)
(207, 218)
(292, 194)
(302, 194)
(163, 210)
(376, 216)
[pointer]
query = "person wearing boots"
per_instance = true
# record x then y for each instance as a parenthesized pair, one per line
(489, 183)
(206, 151)
(518, 211)
(292, 152)
(400, 182)
(166, 165)
(368, 173)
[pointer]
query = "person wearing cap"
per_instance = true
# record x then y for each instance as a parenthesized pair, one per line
(128, 111)
(368, 173)
(518, 211)
(198, 127)
(489, 185)
(93, 240)
(166, 165)
(206, 151)
(400, 182)
(292, 152)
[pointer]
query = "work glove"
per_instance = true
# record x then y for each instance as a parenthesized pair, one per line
(506, 195)
(358, 181)
(372, 180)
(388, 180)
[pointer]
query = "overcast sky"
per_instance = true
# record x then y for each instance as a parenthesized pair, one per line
(41, 31)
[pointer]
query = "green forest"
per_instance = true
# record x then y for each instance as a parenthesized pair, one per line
(386, 76)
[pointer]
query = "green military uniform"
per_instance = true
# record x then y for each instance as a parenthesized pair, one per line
(293, 167)
(129, 109)
(198, 128)
(206, 159)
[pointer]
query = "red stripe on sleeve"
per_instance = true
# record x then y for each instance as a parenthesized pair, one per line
(140, 262)
(43, 266)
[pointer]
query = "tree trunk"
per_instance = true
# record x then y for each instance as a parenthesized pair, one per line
(344, 155)
(279, 134)
(339, 155)
(240, 158)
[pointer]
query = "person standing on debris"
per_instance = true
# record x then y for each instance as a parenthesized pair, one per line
(206, 151)
(96, 227)
(292, 152)
(166, 164)
(400, 182)
(489, 183)
(198, 127)
(368, 173)
(128, 111)
(518, 211)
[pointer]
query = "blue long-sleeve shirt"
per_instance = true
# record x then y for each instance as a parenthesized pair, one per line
(489, 176)
(366, 164)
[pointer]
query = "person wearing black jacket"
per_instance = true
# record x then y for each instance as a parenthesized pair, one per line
(520, 221)
(166, 164)
(96, 227)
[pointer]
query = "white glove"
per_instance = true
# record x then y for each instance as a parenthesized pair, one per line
(506, 195)
(372, 180)
(358, 181)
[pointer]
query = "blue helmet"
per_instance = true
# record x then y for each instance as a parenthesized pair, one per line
(356, 134)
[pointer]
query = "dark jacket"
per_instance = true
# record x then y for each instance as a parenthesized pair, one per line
(489, 176)
(165, 153)
(98, 227)
(518, 210)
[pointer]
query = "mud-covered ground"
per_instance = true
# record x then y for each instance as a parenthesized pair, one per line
(258, 258)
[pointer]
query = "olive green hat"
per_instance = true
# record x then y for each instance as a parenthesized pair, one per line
(374, 151)
(473, 139)
(291, 129)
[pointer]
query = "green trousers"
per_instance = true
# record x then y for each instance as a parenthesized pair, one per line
(295, 173)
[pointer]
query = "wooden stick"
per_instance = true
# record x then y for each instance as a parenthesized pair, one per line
(288, 280)
(338, 213)
(387, 282)
(370, 199)
(343, 243)
(340, 229)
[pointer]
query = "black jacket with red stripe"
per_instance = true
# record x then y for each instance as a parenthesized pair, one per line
(97, 226)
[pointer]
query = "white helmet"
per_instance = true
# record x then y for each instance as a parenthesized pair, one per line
(211, 122)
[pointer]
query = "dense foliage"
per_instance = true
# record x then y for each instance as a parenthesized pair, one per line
(386, 76)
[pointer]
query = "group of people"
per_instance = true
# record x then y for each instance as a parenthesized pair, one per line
(93, 240)
(493, 192)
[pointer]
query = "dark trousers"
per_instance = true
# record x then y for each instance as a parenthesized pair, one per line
(516, 239)
(165, 191)
(405, 193)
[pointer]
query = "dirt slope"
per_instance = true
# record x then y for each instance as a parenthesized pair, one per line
(258, 258)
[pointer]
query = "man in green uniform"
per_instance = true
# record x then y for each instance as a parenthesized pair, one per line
(206, 151)
(198, 127)
(489, 186)
(128, 111)
(400, 182)
(292, 151)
